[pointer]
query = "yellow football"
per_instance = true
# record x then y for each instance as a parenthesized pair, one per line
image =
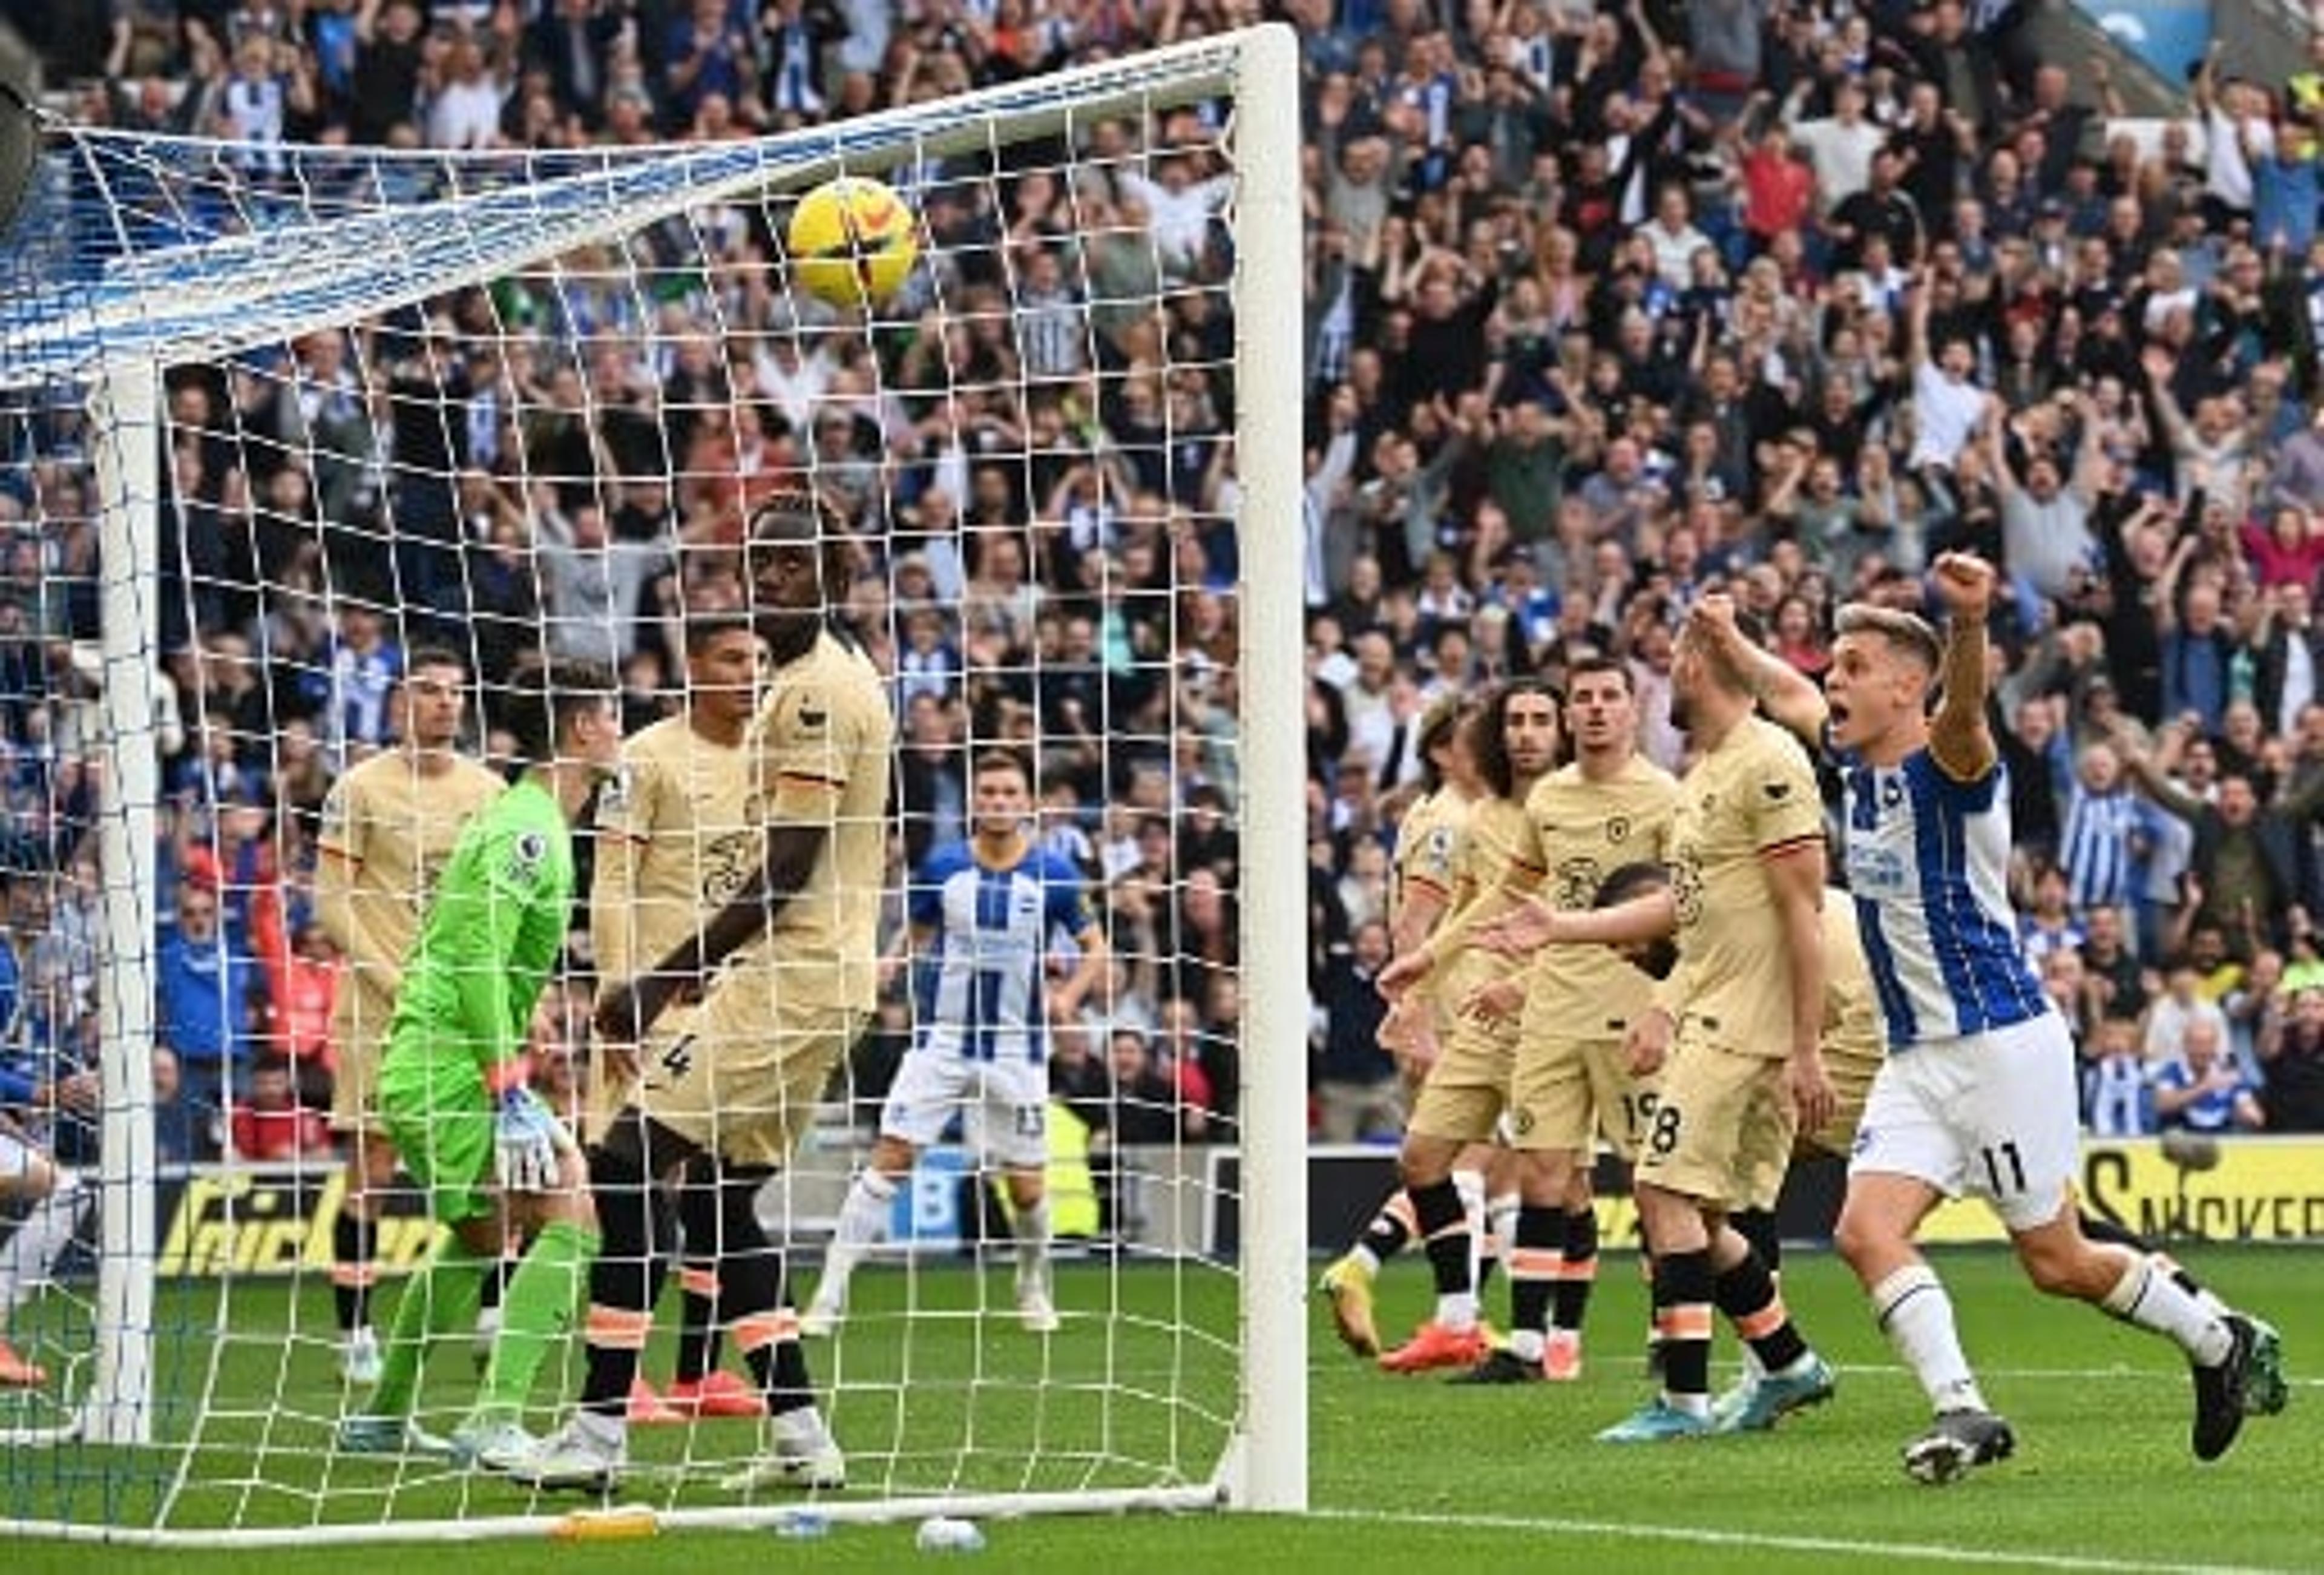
(853, 241)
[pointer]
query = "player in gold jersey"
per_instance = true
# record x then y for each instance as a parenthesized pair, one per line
(675, 843)
(1607, 807)
(1514, 739)
(1420, 879)
(794, 954)
(389, 826)
(1740, 1021)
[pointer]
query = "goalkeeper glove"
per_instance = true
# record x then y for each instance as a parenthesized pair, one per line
(527, 1139)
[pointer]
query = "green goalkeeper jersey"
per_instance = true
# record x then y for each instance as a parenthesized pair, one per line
(495, 928)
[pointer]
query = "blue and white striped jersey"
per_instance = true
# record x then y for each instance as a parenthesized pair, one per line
(1928, 860)
(979, 987)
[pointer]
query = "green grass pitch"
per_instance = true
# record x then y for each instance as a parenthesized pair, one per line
(1403, 1469)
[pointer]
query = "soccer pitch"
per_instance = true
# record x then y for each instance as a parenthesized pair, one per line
(1410, 1470)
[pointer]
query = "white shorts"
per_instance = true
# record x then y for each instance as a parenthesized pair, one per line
(1004, 1106)
(1995, 1116)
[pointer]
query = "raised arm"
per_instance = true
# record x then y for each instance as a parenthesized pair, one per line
(1959, 739)
(1789, 696)
(2148, 773)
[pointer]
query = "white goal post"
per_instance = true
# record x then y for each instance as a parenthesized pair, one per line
(297, 261)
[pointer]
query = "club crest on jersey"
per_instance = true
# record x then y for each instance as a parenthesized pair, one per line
(614, 797)
(1617, 828)
(1576, 882)
(527, 854)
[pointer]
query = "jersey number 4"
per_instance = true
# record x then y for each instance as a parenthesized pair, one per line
(678, 1059)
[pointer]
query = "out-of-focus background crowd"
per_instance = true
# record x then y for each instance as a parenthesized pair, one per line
(1608, 305)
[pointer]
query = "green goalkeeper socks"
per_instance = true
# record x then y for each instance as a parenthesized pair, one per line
(536, 1313)
(440, 1298)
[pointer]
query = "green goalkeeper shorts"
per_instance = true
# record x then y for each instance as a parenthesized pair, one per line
(438, 1113)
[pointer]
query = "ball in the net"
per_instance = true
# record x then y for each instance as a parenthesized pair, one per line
(853, 241)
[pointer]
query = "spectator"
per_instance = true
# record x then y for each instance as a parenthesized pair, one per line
(207, 989)
(269, 1126)
(2201, 1091)
(2291, 1058)
(1356, 1082)
(2118, 1085)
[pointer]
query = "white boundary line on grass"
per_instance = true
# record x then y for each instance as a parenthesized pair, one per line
(2042, 1375)
(1848, 1547)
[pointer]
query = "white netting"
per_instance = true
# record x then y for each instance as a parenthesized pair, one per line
(518, 407)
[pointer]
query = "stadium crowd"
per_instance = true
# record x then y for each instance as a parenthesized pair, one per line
(1608, 305)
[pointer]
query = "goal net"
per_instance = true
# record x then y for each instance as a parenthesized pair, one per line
(280, 419)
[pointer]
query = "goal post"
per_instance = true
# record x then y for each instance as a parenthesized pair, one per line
(124, 410)
(1273, 1464)
(192, 1398)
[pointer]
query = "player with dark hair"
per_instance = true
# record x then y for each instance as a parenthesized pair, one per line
(794, 956)
(1514, 741)
(984, 912)
(1573, 1008)
(674, 844)
(1979, 1092)
(389, 826)
(452, 1091)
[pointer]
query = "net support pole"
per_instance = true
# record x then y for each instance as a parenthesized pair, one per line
(1268, 1469)
(124, 406)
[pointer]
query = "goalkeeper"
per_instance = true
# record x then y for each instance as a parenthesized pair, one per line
(451, 1089)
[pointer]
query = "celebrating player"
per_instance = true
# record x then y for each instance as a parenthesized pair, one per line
(1515, 744)
(983, 912)
(1736, 1026)
(1979, 1092)
(452, 1094)
(674, 845)
(803, 939)
(1574, 1008)
(389, 826)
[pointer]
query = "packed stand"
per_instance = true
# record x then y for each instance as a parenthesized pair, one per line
(1608, 306)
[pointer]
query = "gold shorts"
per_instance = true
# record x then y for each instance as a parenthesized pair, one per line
(742, 1079)
(1567, 1092)
(1468, 1089)
(1716, 1106)
(358, 1040)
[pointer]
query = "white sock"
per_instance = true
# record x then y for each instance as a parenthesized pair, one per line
(1471, 1184)
(1917, 1316)
(2148, 1297)
(1033, 1245)
(610, 1432)
(1365, 1258)
(29, 1260)
(2205, 1297)
(862, 1223)
(1527, 1344)
(1692, 1405)
(1458, 1311)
